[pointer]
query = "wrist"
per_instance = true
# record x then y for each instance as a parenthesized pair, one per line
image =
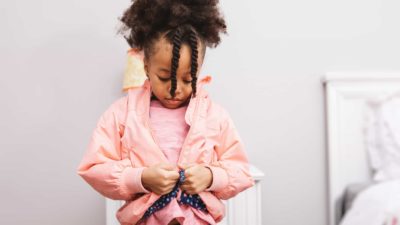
(210, 177)
(143, 179)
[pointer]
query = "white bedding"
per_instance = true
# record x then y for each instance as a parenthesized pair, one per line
(382, 136)
(377, 205)
(380, 203)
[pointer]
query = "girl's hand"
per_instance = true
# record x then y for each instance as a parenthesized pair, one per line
(197, 179)
(160, 178)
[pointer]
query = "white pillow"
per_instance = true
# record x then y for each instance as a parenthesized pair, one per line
(382, 133)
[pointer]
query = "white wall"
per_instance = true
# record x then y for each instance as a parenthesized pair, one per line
(61, 66)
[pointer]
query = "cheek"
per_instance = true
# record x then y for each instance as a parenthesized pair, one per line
(159, 86)
(187, 89)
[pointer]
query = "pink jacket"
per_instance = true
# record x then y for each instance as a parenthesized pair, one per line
(122, 145)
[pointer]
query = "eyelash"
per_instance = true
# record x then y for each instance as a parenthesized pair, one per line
(164, 79)
(167, 79)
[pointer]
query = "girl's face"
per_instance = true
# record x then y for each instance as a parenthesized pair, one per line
(158, 70)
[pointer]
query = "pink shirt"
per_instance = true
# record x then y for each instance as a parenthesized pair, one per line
(170, 130)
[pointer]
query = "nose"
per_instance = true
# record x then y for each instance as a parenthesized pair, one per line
(178, 89)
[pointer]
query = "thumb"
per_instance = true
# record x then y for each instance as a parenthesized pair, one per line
(167, 166)
(173, 175)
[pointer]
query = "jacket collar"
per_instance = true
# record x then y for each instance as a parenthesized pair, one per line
(139, 100)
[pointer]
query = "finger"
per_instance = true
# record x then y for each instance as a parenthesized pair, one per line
(190, 191)
(173, 182)
(188, 180)
(185, 187)
(168, 189)
(173, 175)
(188, 172)
(159, 191)
(187, 184)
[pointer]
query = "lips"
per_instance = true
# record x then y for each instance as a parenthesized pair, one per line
(173, 101)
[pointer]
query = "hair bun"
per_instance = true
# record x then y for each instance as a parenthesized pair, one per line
(180, 11)
(144, 20)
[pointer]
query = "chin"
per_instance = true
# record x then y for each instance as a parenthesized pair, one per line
(169, 106)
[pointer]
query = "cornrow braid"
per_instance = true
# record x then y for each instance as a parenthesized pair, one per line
(193, 71)
(175, 60)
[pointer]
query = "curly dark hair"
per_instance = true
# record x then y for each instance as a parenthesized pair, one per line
(179, 21)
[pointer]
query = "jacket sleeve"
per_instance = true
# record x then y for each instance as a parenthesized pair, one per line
(231, 173)
(102, 165)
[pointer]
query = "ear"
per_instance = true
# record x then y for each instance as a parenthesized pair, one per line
(146, 68)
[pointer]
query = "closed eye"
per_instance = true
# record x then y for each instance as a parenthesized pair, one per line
(164, 79)
(168, 79)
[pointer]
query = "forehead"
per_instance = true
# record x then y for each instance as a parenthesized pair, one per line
(161, 51)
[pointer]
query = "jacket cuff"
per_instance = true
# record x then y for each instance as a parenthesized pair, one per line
(220, 178)
(132, 180)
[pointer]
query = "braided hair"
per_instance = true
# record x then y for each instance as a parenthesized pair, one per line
(193, 42)
(175, 60)
(194, 56)
(192, 22)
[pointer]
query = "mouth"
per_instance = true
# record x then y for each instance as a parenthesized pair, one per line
(173, 100)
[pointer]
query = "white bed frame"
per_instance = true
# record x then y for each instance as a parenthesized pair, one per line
(346, 96)
(243, 209)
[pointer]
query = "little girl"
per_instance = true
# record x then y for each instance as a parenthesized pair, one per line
(166, 148)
